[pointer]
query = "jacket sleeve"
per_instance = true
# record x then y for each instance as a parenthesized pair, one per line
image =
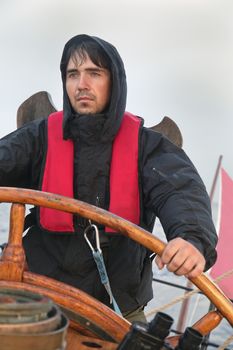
(174, 191)
(20, 156)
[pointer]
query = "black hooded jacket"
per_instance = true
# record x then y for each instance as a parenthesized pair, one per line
(170, 188)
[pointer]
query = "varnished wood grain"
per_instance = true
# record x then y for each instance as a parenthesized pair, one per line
(128, 229)
(95, 312)
(79, 342)
(12, 261)
(208, 322)
(205, 325)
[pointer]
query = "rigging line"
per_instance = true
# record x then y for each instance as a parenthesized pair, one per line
(173, 302)
(187, 295)
(224, 275)
(226, 343)
(217, 280)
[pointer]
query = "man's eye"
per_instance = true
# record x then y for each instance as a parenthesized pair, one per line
(72, 75)
(95, 74)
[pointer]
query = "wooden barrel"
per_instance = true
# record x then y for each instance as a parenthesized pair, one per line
(30, 321)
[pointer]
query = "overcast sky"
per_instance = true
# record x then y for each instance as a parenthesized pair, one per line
(178, 56)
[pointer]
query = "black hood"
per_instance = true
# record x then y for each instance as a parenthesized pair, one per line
(110, 119)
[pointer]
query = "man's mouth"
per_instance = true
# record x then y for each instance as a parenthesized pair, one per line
(85, 98)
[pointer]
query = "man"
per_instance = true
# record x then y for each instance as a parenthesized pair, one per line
(96, 152)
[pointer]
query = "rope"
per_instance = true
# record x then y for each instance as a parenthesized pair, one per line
(187, 295)
(226, 343)
(223, 276)
(173, 302)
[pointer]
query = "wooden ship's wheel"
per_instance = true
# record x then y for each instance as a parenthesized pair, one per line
(88, 317)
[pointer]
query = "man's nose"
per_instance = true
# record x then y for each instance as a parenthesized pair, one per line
(82, 82)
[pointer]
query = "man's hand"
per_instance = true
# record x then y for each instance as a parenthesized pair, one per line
(182, 258)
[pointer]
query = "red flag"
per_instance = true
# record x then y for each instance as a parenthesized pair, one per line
(224, 261)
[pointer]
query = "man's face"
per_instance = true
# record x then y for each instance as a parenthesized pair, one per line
(88, 86)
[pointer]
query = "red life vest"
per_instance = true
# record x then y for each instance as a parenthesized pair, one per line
(59, 172)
